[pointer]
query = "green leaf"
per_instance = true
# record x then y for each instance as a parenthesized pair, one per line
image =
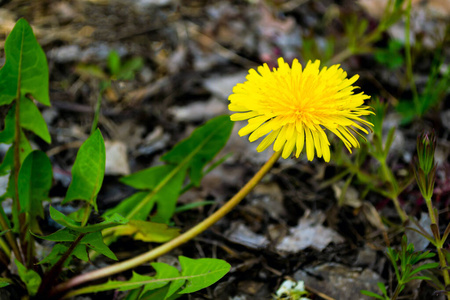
(31, 119)
(424, 267)
(202, 272)
(94, 241)
(35, 181)
(88, 171)
(148, 231)
(7, 134)
(62, 235)
(57, 251)
(31, 279)
(25, 66)
(201, 147)
(382, 288)
(165, 183)
(62, 219)
(113, 63)
(198, 273)
(371, 294)
(8, 160)
(92, 71)
(129, 68)
(4, 282)
(192, 205)
(126, 206)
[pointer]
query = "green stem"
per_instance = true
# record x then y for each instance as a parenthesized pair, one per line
(439, 244)
(165, 248)
(389, 177)
(396, 292)
(10, 237)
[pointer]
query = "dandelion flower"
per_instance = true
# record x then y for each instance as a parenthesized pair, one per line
(292, 107)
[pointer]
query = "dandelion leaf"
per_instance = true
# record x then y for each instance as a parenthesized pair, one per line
(35, 181)
(201, 147)
(25, 66)
(88, 171)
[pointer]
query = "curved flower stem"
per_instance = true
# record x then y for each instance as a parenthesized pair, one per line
(185, 237)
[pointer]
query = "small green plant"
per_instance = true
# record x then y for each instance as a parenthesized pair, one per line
(405, 262)
(425, 173)
(24, 80)
(391, 57)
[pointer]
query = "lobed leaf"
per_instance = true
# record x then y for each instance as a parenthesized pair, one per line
(197, 274)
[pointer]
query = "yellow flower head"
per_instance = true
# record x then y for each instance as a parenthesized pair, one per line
(293, 106)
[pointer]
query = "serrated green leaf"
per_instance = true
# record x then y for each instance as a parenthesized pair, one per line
(202, 272)
(31, 119)
(148, 231)
(199, 273)
(64, 220)
(25, 66)
(94, 241)
(88, 171)
(201, 147)
(31, 279)
(35, 181)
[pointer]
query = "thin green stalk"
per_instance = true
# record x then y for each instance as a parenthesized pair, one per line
(393, 194)
(9, 236)
(396, 292)
(165, 248)
(439, 245)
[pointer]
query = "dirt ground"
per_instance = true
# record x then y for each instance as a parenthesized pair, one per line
(190, 55)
